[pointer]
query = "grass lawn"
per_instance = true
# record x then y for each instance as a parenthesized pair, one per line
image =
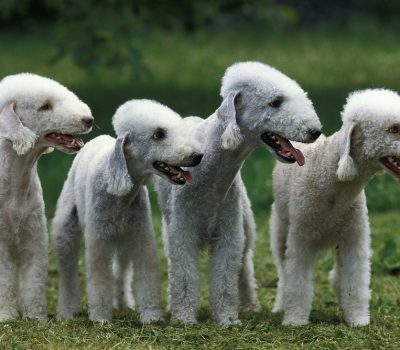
(185, 74)
(260, 331)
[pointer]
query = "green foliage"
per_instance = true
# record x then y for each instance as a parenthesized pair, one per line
(98, 34)
(114, 31)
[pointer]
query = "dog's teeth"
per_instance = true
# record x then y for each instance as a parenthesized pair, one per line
(391, 159)
(162, 165)
(166, 168)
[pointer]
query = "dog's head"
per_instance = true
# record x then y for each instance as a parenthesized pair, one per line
(264, 106)
(152, 139)
(370, 133)
(39, 112)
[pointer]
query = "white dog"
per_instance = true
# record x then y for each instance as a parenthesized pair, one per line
(260, 107)
(37, 114)
(322, 205)
(105, 197)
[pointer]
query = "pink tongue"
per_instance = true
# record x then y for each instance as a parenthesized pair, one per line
(287, 147)
(186, 174)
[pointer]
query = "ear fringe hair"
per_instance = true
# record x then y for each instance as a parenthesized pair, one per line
(23, 140)
(119, 182)
(232, 137)
(346, 170)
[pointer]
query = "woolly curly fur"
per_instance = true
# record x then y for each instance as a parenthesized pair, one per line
(23, 239)
(322, 205)
(105, 198)
(224, 220)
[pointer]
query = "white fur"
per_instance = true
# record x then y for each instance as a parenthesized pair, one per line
(214, 210)
(105, 197)
(23, 238)
(322, 205)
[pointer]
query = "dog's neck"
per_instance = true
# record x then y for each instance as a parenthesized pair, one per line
(18, 171)
(220, 166)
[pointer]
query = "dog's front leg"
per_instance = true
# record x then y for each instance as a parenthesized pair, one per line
(33, 267)
(298, 278)
(183, 270)
(98, 256)
(351, 276)
(226, 263)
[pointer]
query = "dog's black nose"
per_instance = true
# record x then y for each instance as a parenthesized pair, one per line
(88, 121)
(315, 133)
(197, 157)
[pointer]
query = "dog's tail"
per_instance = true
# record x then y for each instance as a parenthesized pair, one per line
(66, 235)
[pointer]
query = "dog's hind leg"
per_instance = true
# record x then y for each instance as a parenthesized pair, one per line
(278, 235)
(66, 235)
(123, 271)
(247, 282)
(8, 284)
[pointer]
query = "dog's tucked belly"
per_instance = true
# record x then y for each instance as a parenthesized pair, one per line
(320, 230)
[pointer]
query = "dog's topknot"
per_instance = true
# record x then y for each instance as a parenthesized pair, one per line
(127, 115)
(255, 75)
(370, 103)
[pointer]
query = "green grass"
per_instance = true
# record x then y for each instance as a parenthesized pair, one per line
(186, 72)
(327, 329)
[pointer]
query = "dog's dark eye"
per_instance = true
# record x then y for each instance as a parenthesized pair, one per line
(276, 103)
(159, 134)
(394, 129)
(45, 107)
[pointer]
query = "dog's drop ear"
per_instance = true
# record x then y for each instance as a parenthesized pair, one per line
(346, 170)
(119, 181)
(12, 129)
(232, 137)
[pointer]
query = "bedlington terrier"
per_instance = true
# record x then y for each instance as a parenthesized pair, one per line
(323, 205)
(105, 197)
(37, 115)
(260, 107)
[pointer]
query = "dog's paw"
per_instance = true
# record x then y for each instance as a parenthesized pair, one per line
(227, 320)
(150, 316)
(278, 308)
(185, 318)
(101, 319)
(38, 316)
(10, 315)
(250, 308)
(294, 321)
(357, 320)
(230, 322)
(67, 314)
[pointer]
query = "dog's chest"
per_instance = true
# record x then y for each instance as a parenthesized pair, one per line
(16, 220)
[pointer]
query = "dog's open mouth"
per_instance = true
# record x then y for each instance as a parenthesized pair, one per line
(283, 148)
(392, 164)
(173, 173)
(66, 141)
